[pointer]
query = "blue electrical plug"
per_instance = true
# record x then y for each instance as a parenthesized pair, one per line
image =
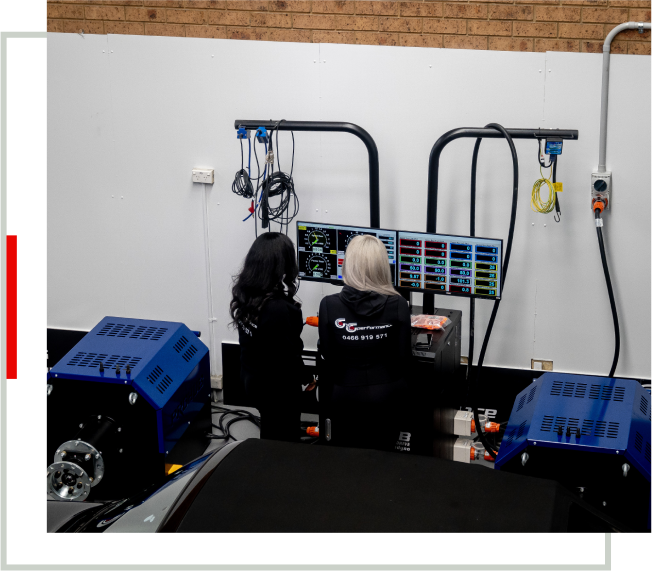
(261, 135)
(243, 133)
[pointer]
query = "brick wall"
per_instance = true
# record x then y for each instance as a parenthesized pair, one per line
(514, 25)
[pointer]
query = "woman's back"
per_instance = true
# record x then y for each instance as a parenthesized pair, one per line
(269, 322)
(271, 363)
(364, 337)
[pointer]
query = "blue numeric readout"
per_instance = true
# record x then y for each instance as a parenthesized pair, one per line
(459, 256)
(481, 258)
(486, 249)
(471, 268)
(410, 268)
(461, 272)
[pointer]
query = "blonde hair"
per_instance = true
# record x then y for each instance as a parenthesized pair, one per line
(366, 266)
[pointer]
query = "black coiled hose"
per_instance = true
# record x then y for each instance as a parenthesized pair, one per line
(242, 185)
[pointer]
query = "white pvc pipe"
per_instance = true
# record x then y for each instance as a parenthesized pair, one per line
(606, 52)
(212, 345)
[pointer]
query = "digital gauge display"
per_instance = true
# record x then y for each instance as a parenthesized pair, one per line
(348, 236)
(451, 265)
(434, 263)
(318, 239)
(317, 266)
(321, 249)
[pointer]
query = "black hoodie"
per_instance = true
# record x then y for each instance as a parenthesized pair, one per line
(270, 354)
(364, 337)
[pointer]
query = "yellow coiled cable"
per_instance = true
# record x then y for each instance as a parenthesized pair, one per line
(536, 203)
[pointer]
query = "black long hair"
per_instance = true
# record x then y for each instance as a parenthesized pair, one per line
(270, 270)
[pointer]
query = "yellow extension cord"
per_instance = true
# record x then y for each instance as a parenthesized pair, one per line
(536, 203)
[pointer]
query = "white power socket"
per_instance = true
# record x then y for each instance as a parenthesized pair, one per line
(205, 176)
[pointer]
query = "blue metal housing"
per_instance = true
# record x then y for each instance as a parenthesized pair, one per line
(168, 368)
(612, 416)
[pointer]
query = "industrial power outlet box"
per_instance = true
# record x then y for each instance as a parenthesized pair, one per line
(601, 187)
(463, 423)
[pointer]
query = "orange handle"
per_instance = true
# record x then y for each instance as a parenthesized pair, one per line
(598, 205)
(312, 431)
(313, 320)
(491, 427)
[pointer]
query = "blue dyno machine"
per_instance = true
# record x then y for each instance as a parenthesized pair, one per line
(130, 389)
(590, 433)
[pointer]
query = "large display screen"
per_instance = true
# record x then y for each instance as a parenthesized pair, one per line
(455, 265)
(321, 249)
(433, 263)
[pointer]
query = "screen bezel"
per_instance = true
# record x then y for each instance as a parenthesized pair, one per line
(447, 293)
(345, 226)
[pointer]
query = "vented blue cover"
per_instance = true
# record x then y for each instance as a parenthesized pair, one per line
(613, 416)
(161, 355)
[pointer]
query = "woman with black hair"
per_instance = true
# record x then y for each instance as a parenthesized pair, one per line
(269, 322)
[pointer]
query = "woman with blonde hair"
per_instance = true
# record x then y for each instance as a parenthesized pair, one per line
(364, 339)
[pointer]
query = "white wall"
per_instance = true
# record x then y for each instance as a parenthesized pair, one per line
(130, 116)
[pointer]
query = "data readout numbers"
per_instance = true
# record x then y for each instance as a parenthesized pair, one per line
(436, 263)
(449, 264)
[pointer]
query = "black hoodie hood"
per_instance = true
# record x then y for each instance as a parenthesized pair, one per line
(363, 302)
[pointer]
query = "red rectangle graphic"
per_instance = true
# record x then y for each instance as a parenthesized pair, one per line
(25, 307)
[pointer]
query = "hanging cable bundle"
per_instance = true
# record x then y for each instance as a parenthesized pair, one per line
(536, 203)
(242, 185)
(278, 184)
(269, 184)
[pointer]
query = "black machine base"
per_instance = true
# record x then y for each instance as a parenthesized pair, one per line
(130, 452)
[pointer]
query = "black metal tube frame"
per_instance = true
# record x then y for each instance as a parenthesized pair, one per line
(477, 133)
(331, 126)
(472, 133)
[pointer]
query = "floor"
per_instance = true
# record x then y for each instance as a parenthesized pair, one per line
(245, 429)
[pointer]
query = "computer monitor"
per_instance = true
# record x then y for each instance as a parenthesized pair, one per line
(451, 265)
(321, 249)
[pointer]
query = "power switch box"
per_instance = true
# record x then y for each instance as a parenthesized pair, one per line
(601, 187)
(206, 176)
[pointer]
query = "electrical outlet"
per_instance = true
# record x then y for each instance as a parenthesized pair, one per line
(601, 187)
(541, 365)
(203, 175)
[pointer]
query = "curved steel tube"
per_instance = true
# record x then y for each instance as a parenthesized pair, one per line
(332, 126)
(604, 98)
(473, 133)
(476, 133)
